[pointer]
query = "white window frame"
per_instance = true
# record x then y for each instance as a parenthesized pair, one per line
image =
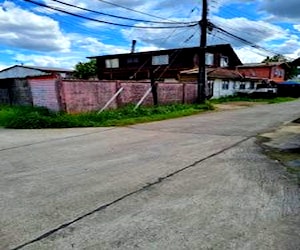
(224, 61)
(242, 86)
(160, 60)
(209, 59)
(225, 85)
(112, 63)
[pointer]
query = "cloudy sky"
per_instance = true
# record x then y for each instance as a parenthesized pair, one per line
(35, 35)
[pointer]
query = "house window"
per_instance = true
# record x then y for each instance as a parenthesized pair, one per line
(160, 60)
(252, 85)
(224, 61)
(242, 86)
(234, 86)
(225, 85)
(112, 63)
(278, 72)
(209, 59)
(132, 60)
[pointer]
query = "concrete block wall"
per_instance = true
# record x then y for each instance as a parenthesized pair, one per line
(21, 92)
(45, 92)
(4, 96)
(15, 91)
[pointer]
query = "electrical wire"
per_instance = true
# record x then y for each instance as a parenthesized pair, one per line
(243, 40)
(106, 22)
(136, 11)
(120, 17)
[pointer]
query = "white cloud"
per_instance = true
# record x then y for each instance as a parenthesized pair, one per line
(282, 8)
(41, 36)
(253, 31)
(248, 55)
(23, 29)
(92, 46)
(47, 61)
(4, 66)
(297, 27)
(289, 48)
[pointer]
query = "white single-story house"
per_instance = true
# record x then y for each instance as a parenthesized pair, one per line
(222, 82)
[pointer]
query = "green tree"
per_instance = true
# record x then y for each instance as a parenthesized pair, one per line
(276, 58)
(86, 70)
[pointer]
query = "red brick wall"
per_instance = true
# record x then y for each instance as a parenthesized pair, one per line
(82, 96)
(75, 96)
(133, 92)
(190, 92)
(170, 93)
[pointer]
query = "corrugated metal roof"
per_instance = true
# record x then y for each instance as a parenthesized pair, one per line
(21, 71)
(49, 69)
(269, 64)
(215, 73)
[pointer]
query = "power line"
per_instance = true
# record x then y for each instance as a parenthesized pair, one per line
(247, 47)
(120, 17)
(106, 22)
(137, 11)
(242, 40)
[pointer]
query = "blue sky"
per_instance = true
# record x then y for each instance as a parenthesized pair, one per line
(34, 35)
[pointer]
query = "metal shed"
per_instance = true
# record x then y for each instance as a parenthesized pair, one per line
(14, 87)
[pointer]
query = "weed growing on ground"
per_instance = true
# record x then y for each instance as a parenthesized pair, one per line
(236, 98)
(38, 117)
(34, 117)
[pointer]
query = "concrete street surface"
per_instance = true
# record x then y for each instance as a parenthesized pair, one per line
(199, 182)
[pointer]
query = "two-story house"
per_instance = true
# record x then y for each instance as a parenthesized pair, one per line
(162, 64)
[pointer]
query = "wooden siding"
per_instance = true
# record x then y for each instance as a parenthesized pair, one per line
(138, 66)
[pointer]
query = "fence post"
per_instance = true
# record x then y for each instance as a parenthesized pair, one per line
(111, 100)
(143, 98)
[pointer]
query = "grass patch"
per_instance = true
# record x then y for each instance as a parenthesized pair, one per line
(236, 98)
(27, 117)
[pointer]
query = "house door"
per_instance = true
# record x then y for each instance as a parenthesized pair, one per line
(6, 93)
(209, 89)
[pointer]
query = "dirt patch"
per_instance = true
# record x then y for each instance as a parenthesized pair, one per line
(236, 105)
(283, 145)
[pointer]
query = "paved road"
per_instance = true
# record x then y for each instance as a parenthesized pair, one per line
(198, 182)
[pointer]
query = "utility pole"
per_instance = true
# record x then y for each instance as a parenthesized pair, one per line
(202, 77)
(153, 87)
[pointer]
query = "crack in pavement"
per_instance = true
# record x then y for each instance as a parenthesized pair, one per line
(55, 139)
(159, 180)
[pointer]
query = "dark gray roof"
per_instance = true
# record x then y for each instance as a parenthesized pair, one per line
(45, 69)
(21, 71)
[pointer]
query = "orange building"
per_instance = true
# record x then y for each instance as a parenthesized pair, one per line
(271, 72)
